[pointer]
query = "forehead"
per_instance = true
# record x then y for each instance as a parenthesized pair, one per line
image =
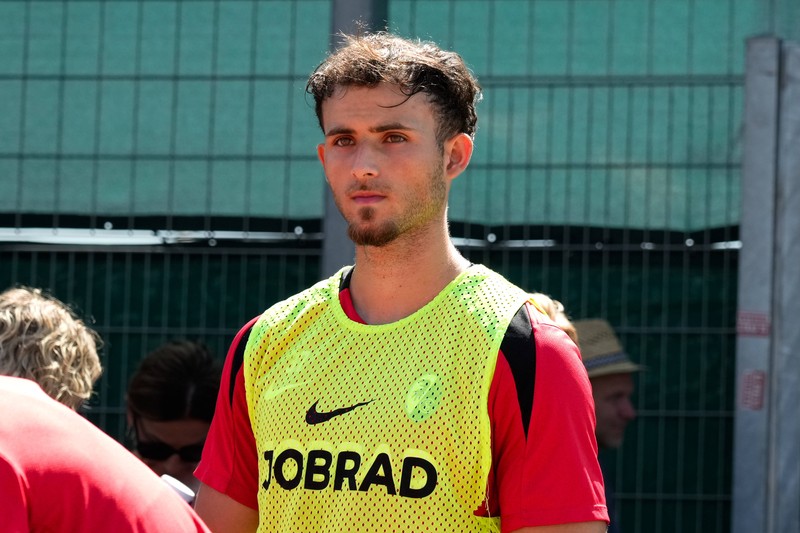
(177, 433)
(383, 102)
(613, 383)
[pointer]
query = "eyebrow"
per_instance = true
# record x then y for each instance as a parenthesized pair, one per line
(377, 129)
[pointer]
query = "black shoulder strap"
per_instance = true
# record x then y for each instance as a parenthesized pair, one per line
(519, 349)
(238, 357)
(345, 282)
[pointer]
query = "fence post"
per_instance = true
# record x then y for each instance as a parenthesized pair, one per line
(766, 473)
(786, 336)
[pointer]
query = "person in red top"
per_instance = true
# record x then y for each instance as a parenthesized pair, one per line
(58, 472)
(398, 119)
(44, 340)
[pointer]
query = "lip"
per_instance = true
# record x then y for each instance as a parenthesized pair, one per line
(366, 197)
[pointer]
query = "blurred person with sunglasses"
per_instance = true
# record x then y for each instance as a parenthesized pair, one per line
(170, 403)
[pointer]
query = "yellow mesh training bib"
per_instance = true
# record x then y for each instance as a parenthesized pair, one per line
(377, 428)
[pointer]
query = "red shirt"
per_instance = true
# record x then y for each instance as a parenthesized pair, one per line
(58, 472)
(546, 475)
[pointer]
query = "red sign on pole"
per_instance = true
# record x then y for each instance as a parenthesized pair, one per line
(752, 324)
(751, 394)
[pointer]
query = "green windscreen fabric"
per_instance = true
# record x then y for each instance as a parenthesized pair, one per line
(602, 112)
(160, 108)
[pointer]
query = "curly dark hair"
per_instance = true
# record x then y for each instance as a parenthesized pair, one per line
(177, 380)
(414, 66)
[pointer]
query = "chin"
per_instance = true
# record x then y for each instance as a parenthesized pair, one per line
(609, 442)
(614, 443)
(191, 482)
(372, 236)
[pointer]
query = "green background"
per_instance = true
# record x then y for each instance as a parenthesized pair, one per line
(611, 128)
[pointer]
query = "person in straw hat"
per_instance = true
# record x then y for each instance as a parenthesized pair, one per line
(611, 374)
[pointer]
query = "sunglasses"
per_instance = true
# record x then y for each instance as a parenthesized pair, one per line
(159, 451)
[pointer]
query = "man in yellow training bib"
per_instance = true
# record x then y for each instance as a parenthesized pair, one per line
(414, 391)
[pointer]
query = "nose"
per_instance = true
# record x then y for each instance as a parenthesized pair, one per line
(627, 410)
(365, 161)
(173, 465)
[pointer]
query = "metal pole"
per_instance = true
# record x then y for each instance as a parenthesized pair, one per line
(766, 482)
(786, 333)
(337, 249)
(751, 484)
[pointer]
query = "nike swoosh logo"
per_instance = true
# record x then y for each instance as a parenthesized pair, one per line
(315, 417)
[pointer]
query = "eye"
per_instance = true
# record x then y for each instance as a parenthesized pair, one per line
(395, 138)
(343, 141)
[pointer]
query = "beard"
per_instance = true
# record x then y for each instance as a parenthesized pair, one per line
(372, 236)
(421, 209)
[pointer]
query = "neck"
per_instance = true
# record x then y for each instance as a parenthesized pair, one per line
(394, 281)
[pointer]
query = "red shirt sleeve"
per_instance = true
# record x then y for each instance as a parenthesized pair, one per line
(551, 475)
(230, 458)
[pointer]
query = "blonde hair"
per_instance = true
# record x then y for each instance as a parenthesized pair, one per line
(41, 339)
(555, 310)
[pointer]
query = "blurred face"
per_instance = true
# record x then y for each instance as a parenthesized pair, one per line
(613, 408)
(388, 174)
(171, 447)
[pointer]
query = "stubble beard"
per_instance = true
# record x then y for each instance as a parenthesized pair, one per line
(420, 211)
(610, 438)
(372, 236)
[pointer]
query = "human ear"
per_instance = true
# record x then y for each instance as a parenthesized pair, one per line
(321, 153)
(321, 157)
(457, 154)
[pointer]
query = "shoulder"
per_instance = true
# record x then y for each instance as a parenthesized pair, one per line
(556, 351)
(114, 485)
(231, 372)
(531, 333)
(478, 271)
(537, 357)
(543, 422)
(287, 311)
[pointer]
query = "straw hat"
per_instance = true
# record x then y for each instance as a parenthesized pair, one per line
(601, 350)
